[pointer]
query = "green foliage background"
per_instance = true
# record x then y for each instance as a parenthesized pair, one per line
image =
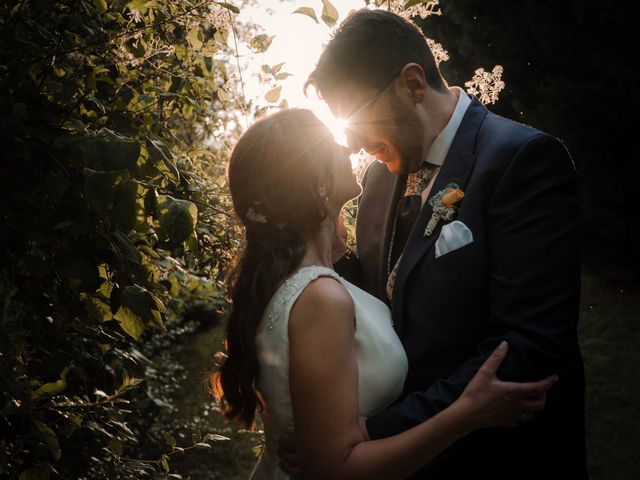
(113, 226)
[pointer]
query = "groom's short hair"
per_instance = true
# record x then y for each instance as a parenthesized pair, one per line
(369, 49)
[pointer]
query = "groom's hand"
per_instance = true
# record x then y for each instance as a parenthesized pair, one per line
(493, 403)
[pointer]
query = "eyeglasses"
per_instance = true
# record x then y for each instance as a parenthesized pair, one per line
(356, 130)
(373, 99)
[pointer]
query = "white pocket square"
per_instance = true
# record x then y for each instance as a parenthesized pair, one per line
(453, 235)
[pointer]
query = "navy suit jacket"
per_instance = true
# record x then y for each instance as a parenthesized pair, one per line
(519, 280)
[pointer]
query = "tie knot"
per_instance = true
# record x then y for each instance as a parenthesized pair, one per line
(417, 181)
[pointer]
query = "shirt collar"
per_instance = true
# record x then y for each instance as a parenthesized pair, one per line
(440, 147)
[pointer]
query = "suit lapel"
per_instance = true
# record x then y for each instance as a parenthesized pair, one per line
(457, 167)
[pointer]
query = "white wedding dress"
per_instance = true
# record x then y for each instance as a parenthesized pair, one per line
(382, 362)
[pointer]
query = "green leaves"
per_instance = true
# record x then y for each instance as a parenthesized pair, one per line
(99, 120)
(165, 463)
(125, 207)
(260, 43)
(49, 389)
(177, 217)
(160, 152)
(308, 11)
(130, 322)
(97, 308)
(116, 446)
(52, 388)
(214, 437)
(116, 151)
(49, 437)
(138, 308)
(112, 192)
(329, 13)
(196, 38)
(34, 473)
(228, 6)
(274, 75)
(101, 5)
(110, 158)
(273, 95)
(101, 188)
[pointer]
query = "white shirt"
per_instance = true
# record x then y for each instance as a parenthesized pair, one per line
(442, 143)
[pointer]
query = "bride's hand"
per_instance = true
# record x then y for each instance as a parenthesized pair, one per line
(490, 402)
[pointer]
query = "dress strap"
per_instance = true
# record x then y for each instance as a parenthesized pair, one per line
(306, 275)
(291, 289)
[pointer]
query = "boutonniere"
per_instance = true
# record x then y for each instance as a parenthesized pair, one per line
(444, 205)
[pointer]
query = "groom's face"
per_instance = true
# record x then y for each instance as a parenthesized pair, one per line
(380, 123)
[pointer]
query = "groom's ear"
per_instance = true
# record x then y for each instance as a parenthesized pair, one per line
(412, 82)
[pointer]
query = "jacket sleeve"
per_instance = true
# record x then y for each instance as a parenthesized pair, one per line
(534, 240)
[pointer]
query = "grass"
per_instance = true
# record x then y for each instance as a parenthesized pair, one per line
(610, 338)
(195, 414)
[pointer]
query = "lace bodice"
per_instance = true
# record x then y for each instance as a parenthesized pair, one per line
(382, 363)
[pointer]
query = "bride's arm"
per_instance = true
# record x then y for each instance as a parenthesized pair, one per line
(324, 394)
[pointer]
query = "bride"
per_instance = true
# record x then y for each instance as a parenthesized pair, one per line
(307, 349)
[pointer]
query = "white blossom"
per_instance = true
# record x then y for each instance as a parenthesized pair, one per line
(486, 85)
(439, 53)
(220, 17)
(135, 15)
(422, 10)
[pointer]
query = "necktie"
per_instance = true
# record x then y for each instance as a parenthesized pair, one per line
(406, 214)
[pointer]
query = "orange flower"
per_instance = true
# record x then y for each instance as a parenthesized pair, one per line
(444, 206)
(451, 197)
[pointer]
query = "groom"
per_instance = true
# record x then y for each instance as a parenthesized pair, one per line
(469, 228)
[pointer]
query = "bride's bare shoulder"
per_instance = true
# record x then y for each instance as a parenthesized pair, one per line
(323, 302)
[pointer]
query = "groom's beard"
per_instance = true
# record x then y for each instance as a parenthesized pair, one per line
(408, 136)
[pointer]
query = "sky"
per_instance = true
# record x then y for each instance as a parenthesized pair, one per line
(298, 42)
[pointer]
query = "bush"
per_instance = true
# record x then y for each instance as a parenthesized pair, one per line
(113, 224)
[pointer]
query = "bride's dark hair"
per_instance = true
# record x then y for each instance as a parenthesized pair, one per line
(276, 173)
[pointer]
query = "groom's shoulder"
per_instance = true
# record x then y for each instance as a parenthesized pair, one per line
(498, 129)
(503, 143)
(503, 135)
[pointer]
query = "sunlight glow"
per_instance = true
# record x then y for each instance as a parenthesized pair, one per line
(336, 125)
(298, 42)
